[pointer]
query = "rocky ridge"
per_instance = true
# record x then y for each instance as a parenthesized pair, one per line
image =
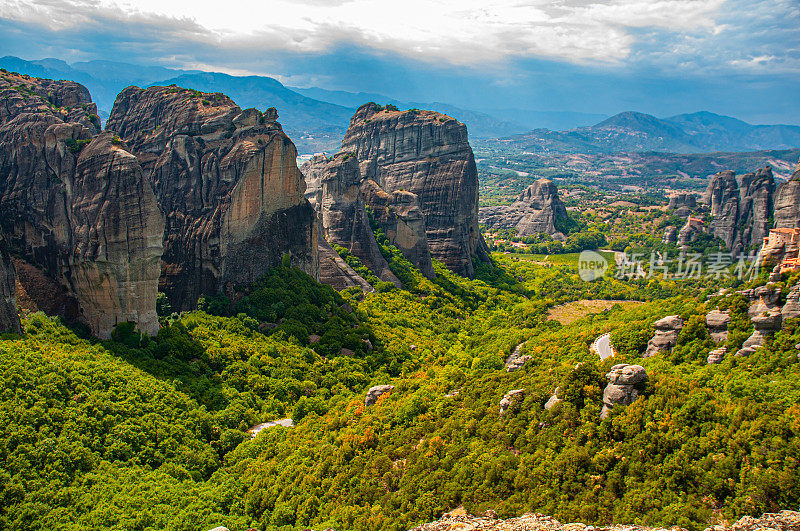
(425, 153)
(537, 209)
(75, 205)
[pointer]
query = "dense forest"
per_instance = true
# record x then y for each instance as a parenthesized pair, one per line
(151, 432)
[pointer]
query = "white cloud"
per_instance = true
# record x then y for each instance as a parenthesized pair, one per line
(455, 31)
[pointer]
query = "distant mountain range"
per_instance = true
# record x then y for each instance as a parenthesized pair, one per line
(699, 132)
(317, 118)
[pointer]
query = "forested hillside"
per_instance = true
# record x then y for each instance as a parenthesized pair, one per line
(151, 433)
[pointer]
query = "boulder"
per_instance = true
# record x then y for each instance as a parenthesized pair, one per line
(623, 387)
(716, 355)
(428, 154)
(766, 321)
(516, 361)
(376, 392)
(717, 323)
(510, 398)
(666, 335)
(670, 235)
(553, 400)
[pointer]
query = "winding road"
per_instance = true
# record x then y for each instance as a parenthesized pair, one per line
(602, 345)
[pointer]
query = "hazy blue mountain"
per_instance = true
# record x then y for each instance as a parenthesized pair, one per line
(699, 132)
(553, 120)
(479, 124)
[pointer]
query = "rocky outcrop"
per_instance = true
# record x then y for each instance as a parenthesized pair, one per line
(343, 214)
(9, 320)
(682, 204)
(670, 235)
(400, 216)
(623, 387)
(227, 182)
(335, 272)
(427, 154)
(716, 355)
(787, 202)
(667, 330)
(717, 323)
(537, 209)
(741, 207)
(515, 361)
(791, 309)
(515, 396)
(375, 393)
(690, 231)
(460, 520)
(77, 209)
(767, 320)
(553, 400)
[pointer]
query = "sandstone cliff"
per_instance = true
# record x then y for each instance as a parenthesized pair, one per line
(537, 209)
(79, 211)
(427, 154)
(741, 206)
(787, 202)
(227, 183)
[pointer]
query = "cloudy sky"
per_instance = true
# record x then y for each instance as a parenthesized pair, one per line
(736, 57)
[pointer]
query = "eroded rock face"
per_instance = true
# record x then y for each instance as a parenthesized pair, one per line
(682, 203)
(427, 154)
(9, 320)
(77, 210)
(717, 323)
(516, 360)
(376, 392)
(343, 214)
(227, 182)
(667, 330)
(400, 216)
(741, 206)
(537, 209)
(335, 272)
(622, 387)
(716, 355)
(787, 202)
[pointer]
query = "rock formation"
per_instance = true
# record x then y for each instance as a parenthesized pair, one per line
(510, 398)
(343, 214)
(716, 355)
(670, 235)
(666, 335)
(623, 387)
(553, 400)
(693, 228)
(9, 320)
(400, 216)
(787, 202)
(791, 309)
(427, 154)
(537, 209)
(335, 272)
(375, 393)
(741, 206)
(515, 361)
(767, 320)
(460, 520)
(682, 204)
(227, 182)
(77, 209)
(717, 323)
